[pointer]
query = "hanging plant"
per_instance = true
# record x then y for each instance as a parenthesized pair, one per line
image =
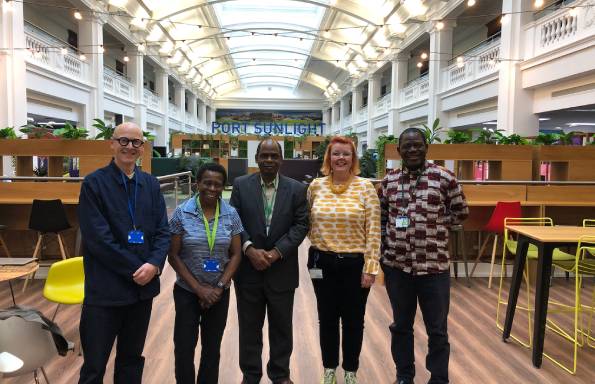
(381, 142)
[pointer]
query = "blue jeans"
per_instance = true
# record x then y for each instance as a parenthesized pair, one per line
(433, 293)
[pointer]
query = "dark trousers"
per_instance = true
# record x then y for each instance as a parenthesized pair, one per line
(340, 297)
(189, 317)
(99, 328)
(433, 293)
(254, 301)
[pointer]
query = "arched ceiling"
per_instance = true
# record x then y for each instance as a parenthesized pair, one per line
(223, 45)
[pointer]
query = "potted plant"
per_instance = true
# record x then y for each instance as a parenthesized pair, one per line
(106, 131)
(456, 136)
(71, 132)
(381, 142)
(432, 134)
(8, 133)
(37, 132)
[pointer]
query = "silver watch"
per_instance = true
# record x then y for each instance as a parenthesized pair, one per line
(221, 285)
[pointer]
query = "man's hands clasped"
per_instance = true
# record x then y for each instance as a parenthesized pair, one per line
(262, 259)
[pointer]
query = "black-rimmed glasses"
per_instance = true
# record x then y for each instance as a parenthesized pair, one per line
(123, 141)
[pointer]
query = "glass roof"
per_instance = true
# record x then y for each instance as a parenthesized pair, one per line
(274, 45)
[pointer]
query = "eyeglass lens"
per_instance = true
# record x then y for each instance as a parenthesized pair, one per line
(123, 141)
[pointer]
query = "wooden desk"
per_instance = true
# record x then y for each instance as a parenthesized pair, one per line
(9, 272)
(546, 239)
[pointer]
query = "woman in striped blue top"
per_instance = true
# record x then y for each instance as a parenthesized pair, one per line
(205, 253)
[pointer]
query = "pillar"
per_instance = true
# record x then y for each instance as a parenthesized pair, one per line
(440, 53)
(161, 86)
(373, 95)
(398, 81)
(343, 110)
(135, 69)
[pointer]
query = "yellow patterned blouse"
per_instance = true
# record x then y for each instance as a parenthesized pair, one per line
(348, 222)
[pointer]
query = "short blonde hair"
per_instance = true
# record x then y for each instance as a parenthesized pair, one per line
(326, 164)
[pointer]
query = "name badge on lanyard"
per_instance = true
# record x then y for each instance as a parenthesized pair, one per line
(402, 222)
(135, 236)
(210, 264)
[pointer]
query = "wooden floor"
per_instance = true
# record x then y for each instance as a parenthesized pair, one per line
(477, 353)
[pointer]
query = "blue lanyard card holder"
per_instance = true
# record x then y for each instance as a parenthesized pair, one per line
(136, 237)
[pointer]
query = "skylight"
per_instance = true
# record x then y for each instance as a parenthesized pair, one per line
(274, 46)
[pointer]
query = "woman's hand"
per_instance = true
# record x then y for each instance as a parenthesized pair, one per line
(368, 280)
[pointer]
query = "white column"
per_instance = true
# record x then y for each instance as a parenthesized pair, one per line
(161, 86)
(373, 95)
(356, 101)
(213, 115)
(343, 110)
(515, 104)
(398, 81)
(13, 92)
(334, 112)
(179, 100)
(326, 118)
(135, 68)
(90, 40)
(192, 111)
(440, 53)
(203, 117)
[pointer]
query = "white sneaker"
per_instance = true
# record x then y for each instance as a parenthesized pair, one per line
(350, 378)
(329, 376)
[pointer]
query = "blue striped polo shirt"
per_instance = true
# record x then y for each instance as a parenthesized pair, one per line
(187, 221)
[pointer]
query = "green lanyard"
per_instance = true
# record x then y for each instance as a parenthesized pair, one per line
(268, 205)
(211, 235)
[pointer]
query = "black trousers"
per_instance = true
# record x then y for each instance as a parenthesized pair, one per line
(341, 298)
(254, 301)
(99, 328)
(189, 317)
(433, 293)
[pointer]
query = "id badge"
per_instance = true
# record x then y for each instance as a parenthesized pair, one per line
(315, 273)
(210, 265)
(402, 222)
(136, 237)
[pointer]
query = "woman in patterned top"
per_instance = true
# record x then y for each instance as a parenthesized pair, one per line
(205, 253)
(345, 236)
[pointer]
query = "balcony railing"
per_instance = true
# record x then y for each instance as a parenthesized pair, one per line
(42, 50)
(173, 111)
(476, 64)
(347, 120)
(362, 115)
(560, 28)
(116, 84)
(383, 104)
(416, 90)
(152, 100)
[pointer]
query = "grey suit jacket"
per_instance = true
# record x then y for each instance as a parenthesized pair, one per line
(289, 227)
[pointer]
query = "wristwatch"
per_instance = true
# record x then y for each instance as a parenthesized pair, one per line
(221, 285)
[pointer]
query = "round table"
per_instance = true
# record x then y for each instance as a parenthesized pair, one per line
(9, 272)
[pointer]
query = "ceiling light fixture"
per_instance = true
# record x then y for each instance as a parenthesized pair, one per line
(126, 59)
(78, 15)
(419, 65)
(538, 3)
(439, 25)
(470, 3)
(424, 56)
(82, 57)
(63, 51)
(504, 19)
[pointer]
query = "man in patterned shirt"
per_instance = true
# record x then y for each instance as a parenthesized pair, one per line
(419, 203)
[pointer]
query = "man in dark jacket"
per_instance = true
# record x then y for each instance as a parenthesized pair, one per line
(274, 212)
(123, 222)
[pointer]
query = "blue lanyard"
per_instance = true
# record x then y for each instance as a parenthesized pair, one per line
(131, 204)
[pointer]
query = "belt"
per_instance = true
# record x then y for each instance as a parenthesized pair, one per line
(342, 255)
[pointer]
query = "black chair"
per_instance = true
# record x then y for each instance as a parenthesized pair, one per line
(2, 241)
(49, 216)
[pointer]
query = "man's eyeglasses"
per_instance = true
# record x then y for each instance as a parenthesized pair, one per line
(123, 141)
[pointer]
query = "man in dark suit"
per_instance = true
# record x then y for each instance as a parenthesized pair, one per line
(274, 212)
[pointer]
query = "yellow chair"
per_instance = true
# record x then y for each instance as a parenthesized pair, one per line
(582, 265)
(510, 245)
(65, 283)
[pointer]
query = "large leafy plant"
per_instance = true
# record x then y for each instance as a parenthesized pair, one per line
(488, 136)
(367, 164)
(36, 132)
(8, 133)
(433, 133)
(71, 132)
(456, 136)
(106, 131)
(513, 139)
(380, 147)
